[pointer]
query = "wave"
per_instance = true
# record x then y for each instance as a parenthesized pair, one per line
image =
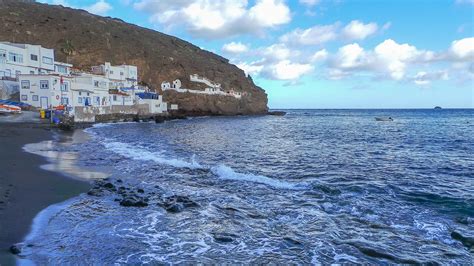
(227, 173)
(135, 153)
(221, 171)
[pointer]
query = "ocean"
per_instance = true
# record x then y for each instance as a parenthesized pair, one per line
(311, 187)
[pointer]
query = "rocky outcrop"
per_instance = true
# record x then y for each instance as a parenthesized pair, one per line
(84, 40)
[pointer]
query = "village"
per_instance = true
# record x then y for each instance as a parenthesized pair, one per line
(42, 83)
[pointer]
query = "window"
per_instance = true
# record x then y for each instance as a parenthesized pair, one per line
(34, 57)
(96, 83)
(3, 56)
(61, 69)
(111, 72)
(79, 100)
(32, 72)
(47, 60)
(24, 97)
(25, 84)
(35, 98)
(87, 94)
(97, 100)
(64, 100)
(80, 93)
(64, 87)
(14, 57)
(44, 84)
(115, 97)
(121, 73)
(17, 73)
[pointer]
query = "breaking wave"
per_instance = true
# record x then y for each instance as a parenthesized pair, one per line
(227, 173)
(132, 152)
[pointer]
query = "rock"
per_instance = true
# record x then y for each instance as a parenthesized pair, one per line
(159, 119)
(465, 240)
(109, 185)
(133, 202)
(276, 113)
(95, 191)
(224, 237)
(15, 249)
(140, 190)
(119, 181)
(174, 208)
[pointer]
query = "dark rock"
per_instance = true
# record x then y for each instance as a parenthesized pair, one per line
(119, 181)
(174, 208)
(224, 237)
(15, 249)
(465, 240)
(159, 119)
(277, 113)
(109, 185)
(136, 119)
(140, 190)
(133, 202)
(95, 191)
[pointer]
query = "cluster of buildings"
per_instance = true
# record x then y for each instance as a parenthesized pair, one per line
(45, 83)
(212, 88)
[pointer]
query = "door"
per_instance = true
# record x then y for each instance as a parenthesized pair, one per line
(44, 102)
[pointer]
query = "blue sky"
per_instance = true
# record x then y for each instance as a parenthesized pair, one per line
(326, 54)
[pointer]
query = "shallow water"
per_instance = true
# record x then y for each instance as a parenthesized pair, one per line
(313, 186)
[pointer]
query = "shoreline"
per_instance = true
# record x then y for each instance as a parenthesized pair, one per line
(26, 188)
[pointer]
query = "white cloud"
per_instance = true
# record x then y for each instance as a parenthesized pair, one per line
(253, 68)
(320, 34)
(462, 50)
(309, 2)
(235, 48)
(388, 59)
(101, 7)
(287, 70)
(423, 78)
(357, 30)
(319, 56)
(219, 18)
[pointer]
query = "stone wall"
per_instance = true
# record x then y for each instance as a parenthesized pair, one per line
(88, 114)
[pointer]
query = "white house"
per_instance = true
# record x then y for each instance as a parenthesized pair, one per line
(62, 68)
(16, 59)
(45, 90)
(165, 85)
(122, 76)
(91, 90)
(177, 84)
(117, 97)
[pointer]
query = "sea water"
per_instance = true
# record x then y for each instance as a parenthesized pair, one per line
(314, 186)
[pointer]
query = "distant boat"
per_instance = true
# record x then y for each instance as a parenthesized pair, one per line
(9, 109)
(438, 108)
(385, 119)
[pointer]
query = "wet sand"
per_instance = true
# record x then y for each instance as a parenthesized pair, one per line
(25, 188)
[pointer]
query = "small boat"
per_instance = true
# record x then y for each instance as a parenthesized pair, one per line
(9, 109)
(384, 119)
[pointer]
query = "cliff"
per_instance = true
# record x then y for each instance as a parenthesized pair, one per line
(83, 39)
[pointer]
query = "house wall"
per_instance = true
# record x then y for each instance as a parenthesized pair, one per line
(33, 94)
(22, 62)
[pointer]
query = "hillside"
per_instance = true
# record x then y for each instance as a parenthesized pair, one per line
(159, 57)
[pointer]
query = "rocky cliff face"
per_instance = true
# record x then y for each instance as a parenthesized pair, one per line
(83, 39)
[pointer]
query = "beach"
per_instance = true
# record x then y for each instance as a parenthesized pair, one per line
(25, 188)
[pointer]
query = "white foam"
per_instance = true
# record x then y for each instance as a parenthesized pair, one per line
(227, 173)
(136, 153)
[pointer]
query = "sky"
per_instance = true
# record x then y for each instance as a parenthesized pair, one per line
(326, 54)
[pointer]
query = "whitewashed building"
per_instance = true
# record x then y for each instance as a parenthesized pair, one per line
(45, 90)
(123, 76)
(16, 59)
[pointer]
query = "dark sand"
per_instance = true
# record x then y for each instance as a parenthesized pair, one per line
(25, 188)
